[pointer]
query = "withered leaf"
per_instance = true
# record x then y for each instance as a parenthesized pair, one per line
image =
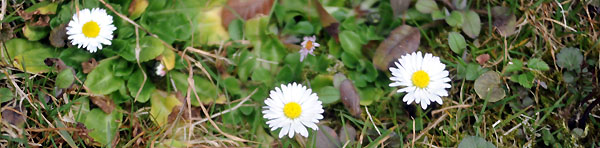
(136, 8)
(89, 65)
(350, 98)
(58, 36)
(329, 23)
(6, 33)
(481, 59)
(106, 104)
(327, 138)
(399, 6)
(504, 20)
(13, 116)
(487, 86)
(58, 64)
(246, 9)
(402, 40)
(347, 133)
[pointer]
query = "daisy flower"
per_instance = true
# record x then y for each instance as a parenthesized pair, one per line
(424, 78)
(91, 29)
(161, 70)
(292, 107)
(308, 45)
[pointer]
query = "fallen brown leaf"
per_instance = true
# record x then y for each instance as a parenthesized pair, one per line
(89, 65)
(106, 104)
(350, 98)
(246, 9)
(402, 40)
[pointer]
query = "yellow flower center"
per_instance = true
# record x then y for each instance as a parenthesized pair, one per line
(420, 79)
(292, 110)
(91, 29)
(309, 45)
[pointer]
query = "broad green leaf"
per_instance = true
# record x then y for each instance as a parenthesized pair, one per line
(135, 82)
(426, 6)
(488, 85)
(123, 69)
(455, 19)
(475, 142)
(43, 8)
(5, 95)
(513, 65)
(34, 33)
(437, 15)
(321, 81)
(236, 28)
(162, 105)
(171, 26)
(286, 74)
(457, 42)
(150, 48)
(209, 30)
(349, 60)
(526, 79)
(262, 75)
(232, 85)
(301, 28)
(472, 24)
(65, 78)
(369, 95)
(569, 58)
(74, 57)
(246, 64)
(351, 43)
(31, 55)
(328, 94)
(470, 71)
(103, 126)
(207, 92)
(168, 59)
(538, 64)
(101, 80)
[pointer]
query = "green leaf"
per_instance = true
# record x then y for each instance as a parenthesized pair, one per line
(65, 78)
(320, 81)
(286, 74)
(487, 86)
(34, 33)
(135, 82)
(74, 56)
(526, 79)
(538, 64)
(236, 28)
(569, 58)
(150, 48)
(369, 95)
(568, 77)
(101, 80)
(328, 95)
(351, 43)
(209, 30)
(472, 24)
(475, 142)
(103, 126)
(207, 92)
(232, 85)
(457, 42)
(455, 19)
(426, 6)
(43, 8)
(29, 56)
(162, 105)
(470, 71)
(349, 60)
(262, 75)
(514, 65)
(5, 95)
(437, 15)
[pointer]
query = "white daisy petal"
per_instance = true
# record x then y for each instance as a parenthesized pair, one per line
(91, 29)
(292, 107)
(422, 77)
